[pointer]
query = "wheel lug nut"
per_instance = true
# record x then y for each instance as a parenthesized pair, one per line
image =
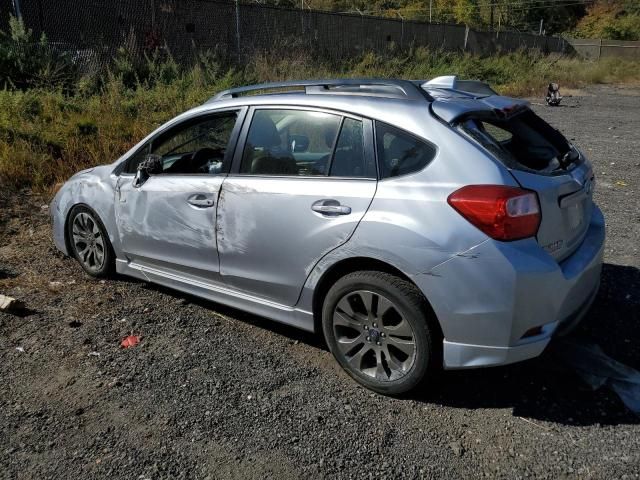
(382, 334)
(378, 343)
(375, 325)
(368, 339)
(366, 327)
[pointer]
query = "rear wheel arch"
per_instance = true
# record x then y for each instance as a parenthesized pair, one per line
(350, 265)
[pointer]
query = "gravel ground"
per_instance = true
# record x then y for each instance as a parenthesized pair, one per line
(215, 393)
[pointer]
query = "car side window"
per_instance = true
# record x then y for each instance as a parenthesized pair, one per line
(194, 147)
(349, 159)
(137, 158)
(290, 142)
(400, 153)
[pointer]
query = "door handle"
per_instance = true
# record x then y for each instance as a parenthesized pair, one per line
(200, 201)
(330, 207)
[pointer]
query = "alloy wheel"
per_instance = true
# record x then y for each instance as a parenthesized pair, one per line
(373, 336)
(88, 241)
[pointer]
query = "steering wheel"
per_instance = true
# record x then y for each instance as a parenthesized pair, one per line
(201, 158)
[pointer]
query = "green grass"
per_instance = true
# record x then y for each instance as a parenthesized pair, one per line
(47, 134)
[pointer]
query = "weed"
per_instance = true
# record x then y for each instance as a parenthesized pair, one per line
(48, 132)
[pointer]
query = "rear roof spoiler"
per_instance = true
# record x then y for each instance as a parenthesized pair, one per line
(454, 110)
(453, 85)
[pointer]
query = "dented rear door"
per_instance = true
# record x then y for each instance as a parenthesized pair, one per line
(270, 237)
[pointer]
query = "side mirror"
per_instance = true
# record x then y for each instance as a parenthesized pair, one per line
(151, 165)
(299, 143)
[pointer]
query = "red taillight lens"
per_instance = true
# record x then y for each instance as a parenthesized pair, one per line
(503, 213)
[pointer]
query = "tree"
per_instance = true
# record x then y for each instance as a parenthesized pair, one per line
(467, 11)
(617, 20)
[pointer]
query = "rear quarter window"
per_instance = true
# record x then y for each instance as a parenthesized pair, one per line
(399, 152)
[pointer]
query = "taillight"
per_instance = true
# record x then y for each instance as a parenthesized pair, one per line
(503, 213)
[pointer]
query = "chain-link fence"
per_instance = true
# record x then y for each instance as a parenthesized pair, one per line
(92, 31)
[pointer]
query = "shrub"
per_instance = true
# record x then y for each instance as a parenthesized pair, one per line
(25, 63)
(87, 127)
(48, 133)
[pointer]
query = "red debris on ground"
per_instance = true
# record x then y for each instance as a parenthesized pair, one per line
(130, 341)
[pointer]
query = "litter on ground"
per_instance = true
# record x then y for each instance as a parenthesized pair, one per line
(597, 369)
(130, 341)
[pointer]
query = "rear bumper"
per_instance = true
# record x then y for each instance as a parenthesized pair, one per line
(461, 355)
(488, 298)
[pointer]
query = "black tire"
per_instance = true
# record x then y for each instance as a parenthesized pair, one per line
(408, 304)
(100, 261)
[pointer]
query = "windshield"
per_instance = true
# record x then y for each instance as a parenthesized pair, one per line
(522, 140)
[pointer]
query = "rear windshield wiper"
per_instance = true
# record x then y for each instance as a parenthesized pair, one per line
(568, 158)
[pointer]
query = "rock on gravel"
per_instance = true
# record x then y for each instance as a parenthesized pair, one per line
(10, 304)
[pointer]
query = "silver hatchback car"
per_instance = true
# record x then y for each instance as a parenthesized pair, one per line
(416, 224)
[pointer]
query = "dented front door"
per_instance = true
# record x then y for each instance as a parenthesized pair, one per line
(168, 223)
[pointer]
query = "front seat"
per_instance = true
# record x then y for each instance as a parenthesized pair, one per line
(264, 153)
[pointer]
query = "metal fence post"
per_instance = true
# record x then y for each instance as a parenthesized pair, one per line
(16, 8)
(238, 28)
(466, 37)
(361, 27)
(599, 49)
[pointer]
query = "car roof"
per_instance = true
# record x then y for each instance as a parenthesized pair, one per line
(395, 101)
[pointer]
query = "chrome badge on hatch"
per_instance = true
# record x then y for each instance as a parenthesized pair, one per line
(553, 246)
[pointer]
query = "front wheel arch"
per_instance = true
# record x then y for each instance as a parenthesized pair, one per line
(67, 240)
(109, 268)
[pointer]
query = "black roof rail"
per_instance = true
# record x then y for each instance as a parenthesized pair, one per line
(346, 86)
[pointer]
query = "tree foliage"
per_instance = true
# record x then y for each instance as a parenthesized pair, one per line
(604, 18)
(617, 20)
(26, 62)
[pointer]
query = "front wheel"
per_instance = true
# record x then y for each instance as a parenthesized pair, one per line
(89, 242)
(377, 326)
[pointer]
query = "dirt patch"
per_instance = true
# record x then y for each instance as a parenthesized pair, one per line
(211, 392)
(574, 92)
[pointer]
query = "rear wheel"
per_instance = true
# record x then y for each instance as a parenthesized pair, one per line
(89, 242)
(377, 327)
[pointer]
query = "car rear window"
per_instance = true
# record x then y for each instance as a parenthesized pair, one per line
(523, 140)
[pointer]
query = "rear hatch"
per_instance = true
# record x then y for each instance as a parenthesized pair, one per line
(539, 157)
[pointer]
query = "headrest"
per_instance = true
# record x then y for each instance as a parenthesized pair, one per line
(263, 132)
